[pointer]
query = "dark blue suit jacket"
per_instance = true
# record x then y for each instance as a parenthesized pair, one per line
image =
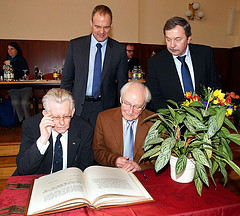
(80, 153)
(163, 80)
(114, 72)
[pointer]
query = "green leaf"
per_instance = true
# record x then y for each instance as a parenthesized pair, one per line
(234, 166)
(202, 173)
(193, 112)
(204, 112)
(220, 116)
(173, 102)
(198, 185)
(227, 150)
(230, 124)
(189, 126)
(196, 104)
(224, 132)
(195, 122)
(151, 152)
(171, 111)
(212, 126)
(181, 164)
(162, 160)
(223, 171)
(179, 117)
(200, 157)
(168, 144)
(235, 138)
(154, 126)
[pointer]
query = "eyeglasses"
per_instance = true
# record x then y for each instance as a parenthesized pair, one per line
(127, 105)
(130, 50)
(62, 118)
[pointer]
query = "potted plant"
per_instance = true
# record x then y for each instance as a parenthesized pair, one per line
(198, 129)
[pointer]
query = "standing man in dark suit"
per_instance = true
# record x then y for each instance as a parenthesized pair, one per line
(80, 65)
(132, 61)
(164, 77)
(56, 138)
(111, 142)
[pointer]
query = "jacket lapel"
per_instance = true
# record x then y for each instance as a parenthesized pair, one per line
(117, 129)
(196, 67)
(73, 145)
(107, 58)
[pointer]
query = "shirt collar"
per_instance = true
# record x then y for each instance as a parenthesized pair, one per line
(94, 41)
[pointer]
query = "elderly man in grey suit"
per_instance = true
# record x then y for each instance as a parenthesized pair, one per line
(95, 68)
(181, 67)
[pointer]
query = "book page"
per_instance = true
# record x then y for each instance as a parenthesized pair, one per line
(52, 189)
(113, 181)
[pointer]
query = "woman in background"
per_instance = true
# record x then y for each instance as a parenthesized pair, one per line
(20, 98)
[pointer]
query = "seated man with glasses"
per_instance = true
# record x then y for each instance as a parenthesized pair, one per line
(120, 132)
(56, 138)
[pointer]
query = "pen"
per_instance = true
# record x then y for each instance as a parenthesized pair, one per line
(145, 177)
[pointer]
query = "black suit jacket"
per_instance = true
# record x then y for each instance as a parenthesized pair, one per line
(133, 62)
(163, 80)
(31, 161)
(114, 72)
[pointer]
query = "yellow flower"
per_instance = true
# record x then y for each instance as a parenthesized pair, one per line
(186, 103)
(215, 102)
(229, 112)
(221, 96)
(217, 92)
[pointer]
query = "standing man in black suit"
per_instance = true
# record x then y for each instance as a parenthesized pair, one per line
(132, 61)
(79, 68)
(56, 138)
(164, 77)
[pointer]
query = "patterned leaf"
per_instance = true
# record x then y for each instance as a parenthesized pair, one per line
(168, 144)
(162, 160)
(202, 173)
(151, 152)
(199, 185)
(193, 112)
(171, 111)
(224, 132)
(195, 122)
(220, 117)
(212, 126)
(189, 126)
(200, 157)
(181, 164)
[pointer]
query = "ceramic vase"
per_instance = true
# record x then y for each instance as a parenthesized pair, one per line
(186, 175)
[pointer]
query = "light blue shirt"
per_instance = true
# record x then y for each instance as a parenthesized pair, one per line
(92, 54)
(178, 64)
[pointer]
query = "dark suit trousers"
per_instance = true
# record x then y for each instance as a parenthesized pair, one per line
(90, 111)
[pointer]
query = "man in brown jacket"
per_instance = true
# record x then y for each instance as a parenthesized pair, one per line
(111, 143)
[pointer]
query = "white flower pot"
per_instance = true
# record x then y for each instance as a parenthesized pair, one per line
(187, 175)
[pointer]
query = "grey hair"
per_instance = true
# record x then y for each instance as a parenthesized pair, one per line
(148, 95)
(57, 95)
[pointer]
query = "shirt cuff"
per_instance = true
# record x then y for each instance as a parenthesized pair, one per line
(42, 148)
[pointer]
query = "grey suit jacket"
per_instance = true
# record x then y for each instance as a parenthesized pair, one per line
(163, 80)
(114, 72)
(31, 161)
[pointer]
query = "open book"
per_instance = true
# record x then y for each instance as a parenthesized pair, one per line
(96, 187)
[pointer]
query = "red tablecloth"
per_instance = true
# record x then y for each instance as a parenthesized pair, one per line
(171, 198)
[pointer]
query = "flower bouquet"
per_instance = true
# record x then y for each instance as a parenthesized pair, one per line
(196, 129)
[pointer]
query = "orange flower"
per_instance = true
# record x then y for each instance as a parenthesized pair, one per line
(188, 95)
(229, 99)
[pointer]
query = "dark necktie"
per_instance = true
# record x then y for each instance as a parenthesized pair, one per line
(97, 72)
(186, 77)
(58, 155)
(129, 140)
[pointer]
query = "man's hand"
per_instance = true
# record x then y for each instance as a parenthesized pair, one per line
(127, 165)
(45, 126)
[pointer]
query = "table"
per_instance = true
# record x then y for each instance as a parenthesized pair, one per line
(40, 88)
(171, 198)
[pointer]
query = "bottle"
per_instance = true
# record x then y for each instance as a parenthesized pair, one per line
(139, 73)
(134, 73)
(55, 72)
(11, 71)
(36, 71)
